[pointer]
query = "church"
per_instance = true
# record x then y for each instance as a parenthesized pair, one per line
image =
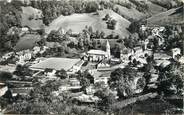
(98, 55)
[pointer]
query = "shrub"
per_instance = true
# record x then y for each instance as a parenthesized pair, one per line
(111, 24)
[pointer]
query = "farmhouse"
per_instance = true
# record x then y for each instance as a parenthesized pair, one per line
(57, 64)
(3, 89)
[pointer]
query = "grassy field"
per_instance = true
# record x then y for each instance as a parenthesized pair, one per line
(168, 17)
(154, 8)
(27, 42)
(34, 23)
(77, 23)
(129, 13)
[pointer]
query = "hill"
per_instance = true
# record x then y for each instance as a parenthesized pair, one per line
(155, 8)
(138, 9)
(77, 22)
(172, 16)
(131, 13)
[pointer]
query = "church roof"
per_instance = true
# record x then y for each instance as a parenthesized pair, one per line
(97, 52)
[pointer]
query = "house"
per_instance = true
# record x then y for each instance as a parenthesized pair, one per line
(154, 78)
(143, 28)
(175, 52)
(103, 64)
(8, 55)
(125, 54)
(101, 79)
(74, 82)
(86, 98)
(24, 29)
(3, 89)
(98, 55)
(24, 56)
(49, 72)
(90, 90)
(69, 88)
(76, 67)
(181, 60)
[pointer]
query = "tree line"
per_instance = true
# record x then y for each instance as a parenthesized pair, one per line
(53, 9)
(10, 16)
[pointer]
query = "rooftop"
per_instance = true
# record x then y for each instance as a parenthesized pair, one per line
(97, 52)
(56, 63)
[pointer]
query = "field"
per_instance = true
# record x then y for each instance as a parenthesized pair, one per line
(171, 16)
(26, 42)
(77, 23)
(56, 63)
(29, 12)
(130, 13)
(154, 8)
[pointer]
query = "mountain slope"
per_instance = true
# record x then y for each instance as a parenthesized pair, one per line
(172, 16)
(131, 13)
(77, 22)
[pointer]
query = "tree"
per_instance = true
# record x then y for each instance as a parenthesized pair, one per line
(54, 36)
(61, 74)
(103, 93)
(94, 44)
(102, 34)
(134, 27)
(124, 90)
(91, 7)
(116, 50)
(173, 82)
(22, 71)
(128, 42)
(81, 42)
(5, 76)
(19, 70)
(117, 10)
(106, 17)
(123, 81)
(97, 34)
(84, 82)
(111, 24)
(90, 29)
(107, 98)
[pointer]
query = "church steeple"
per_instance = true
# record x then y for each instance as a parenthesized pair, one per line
(108, 50)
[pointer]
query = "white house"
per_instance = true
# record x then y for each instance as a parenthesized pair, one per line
(3, 89)
(98, 55)
(101, 79)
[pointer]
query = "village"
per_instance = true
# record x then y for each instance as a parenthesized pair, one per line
(92, 68)
(97, 63)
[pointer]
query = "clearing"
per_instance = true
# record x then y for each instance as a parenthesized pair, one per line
(172, 16)
(31, 17)
(77, 22)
